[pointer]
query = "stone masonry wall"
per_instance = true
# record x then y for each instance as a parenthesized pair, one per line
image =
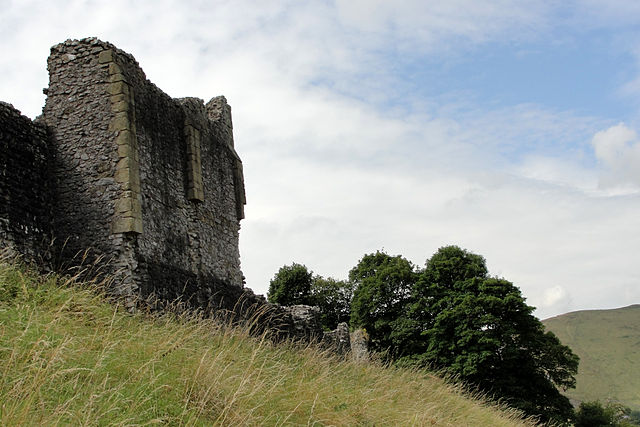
(25, 184)
(78, 113)
(150, 183)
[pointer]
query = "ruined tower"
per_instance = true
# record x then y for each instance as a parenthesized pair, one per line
(149, 184)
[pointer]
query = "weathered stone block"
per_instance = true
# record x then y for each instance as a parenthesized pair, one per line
(124, 205)
(118, 97)
(123, 174)
(127, 225)
(123, 163)
(117, 77)
(125, 138)
(120, 122)
(130, 185)
(105, 56)
(114, 68)
(120, 87)
(120, 106)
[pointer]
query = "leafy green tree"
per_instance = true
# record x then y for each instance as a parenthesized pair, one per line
(451, 265)
(291, 285)
(594, 414)
(382, 288)
(333, 297)
(480, 330)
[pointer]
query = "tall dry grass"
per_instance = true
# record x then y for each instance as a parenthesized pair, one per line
(70, 357)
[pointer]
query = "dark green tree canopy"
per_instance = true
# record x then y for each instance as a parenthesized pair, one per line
(382, 288)
(454, 317)
(333, 297)
(452, 265)
(595, 414)
(480, 329)
(291, 285)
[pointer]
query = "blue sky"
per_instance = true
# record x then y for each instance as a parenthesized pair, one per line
(506, 127)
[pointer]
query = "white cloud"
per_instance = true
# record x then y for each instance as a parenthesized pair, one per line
(553, 296)
(554, 299)
(612, 144)
(558, 171)
(433, 23)
(618, 151)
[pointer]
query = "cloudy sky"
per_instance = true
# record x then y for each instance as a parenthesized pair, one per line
(509, 128)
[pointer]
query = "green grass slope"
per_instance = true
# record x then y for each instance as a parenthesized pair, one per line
(68, 357)
(608, 343)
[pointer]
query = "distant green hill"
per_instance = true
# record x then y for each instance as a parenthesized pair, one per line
(608, 343)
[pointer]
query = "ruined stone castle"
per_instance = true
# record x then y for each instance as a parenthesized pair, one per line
(116, 170)
(118, 177)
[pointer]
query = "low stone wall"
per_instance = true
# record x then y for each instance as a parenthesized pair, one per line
(339, 339)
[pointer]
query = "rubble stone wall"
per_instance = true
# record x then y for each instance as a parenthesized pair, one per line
(78, 113)
(25, 185)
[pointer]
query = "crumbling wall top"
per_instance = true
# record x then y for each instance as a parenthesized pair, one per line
(69, 46)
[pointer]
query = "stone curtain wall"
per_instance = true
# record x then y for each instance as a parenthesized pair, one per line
(150, 183)
(25, 185)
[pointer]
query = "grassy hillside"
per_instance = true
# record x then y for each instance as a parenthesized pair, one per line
(69, 357)
(608, 343)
